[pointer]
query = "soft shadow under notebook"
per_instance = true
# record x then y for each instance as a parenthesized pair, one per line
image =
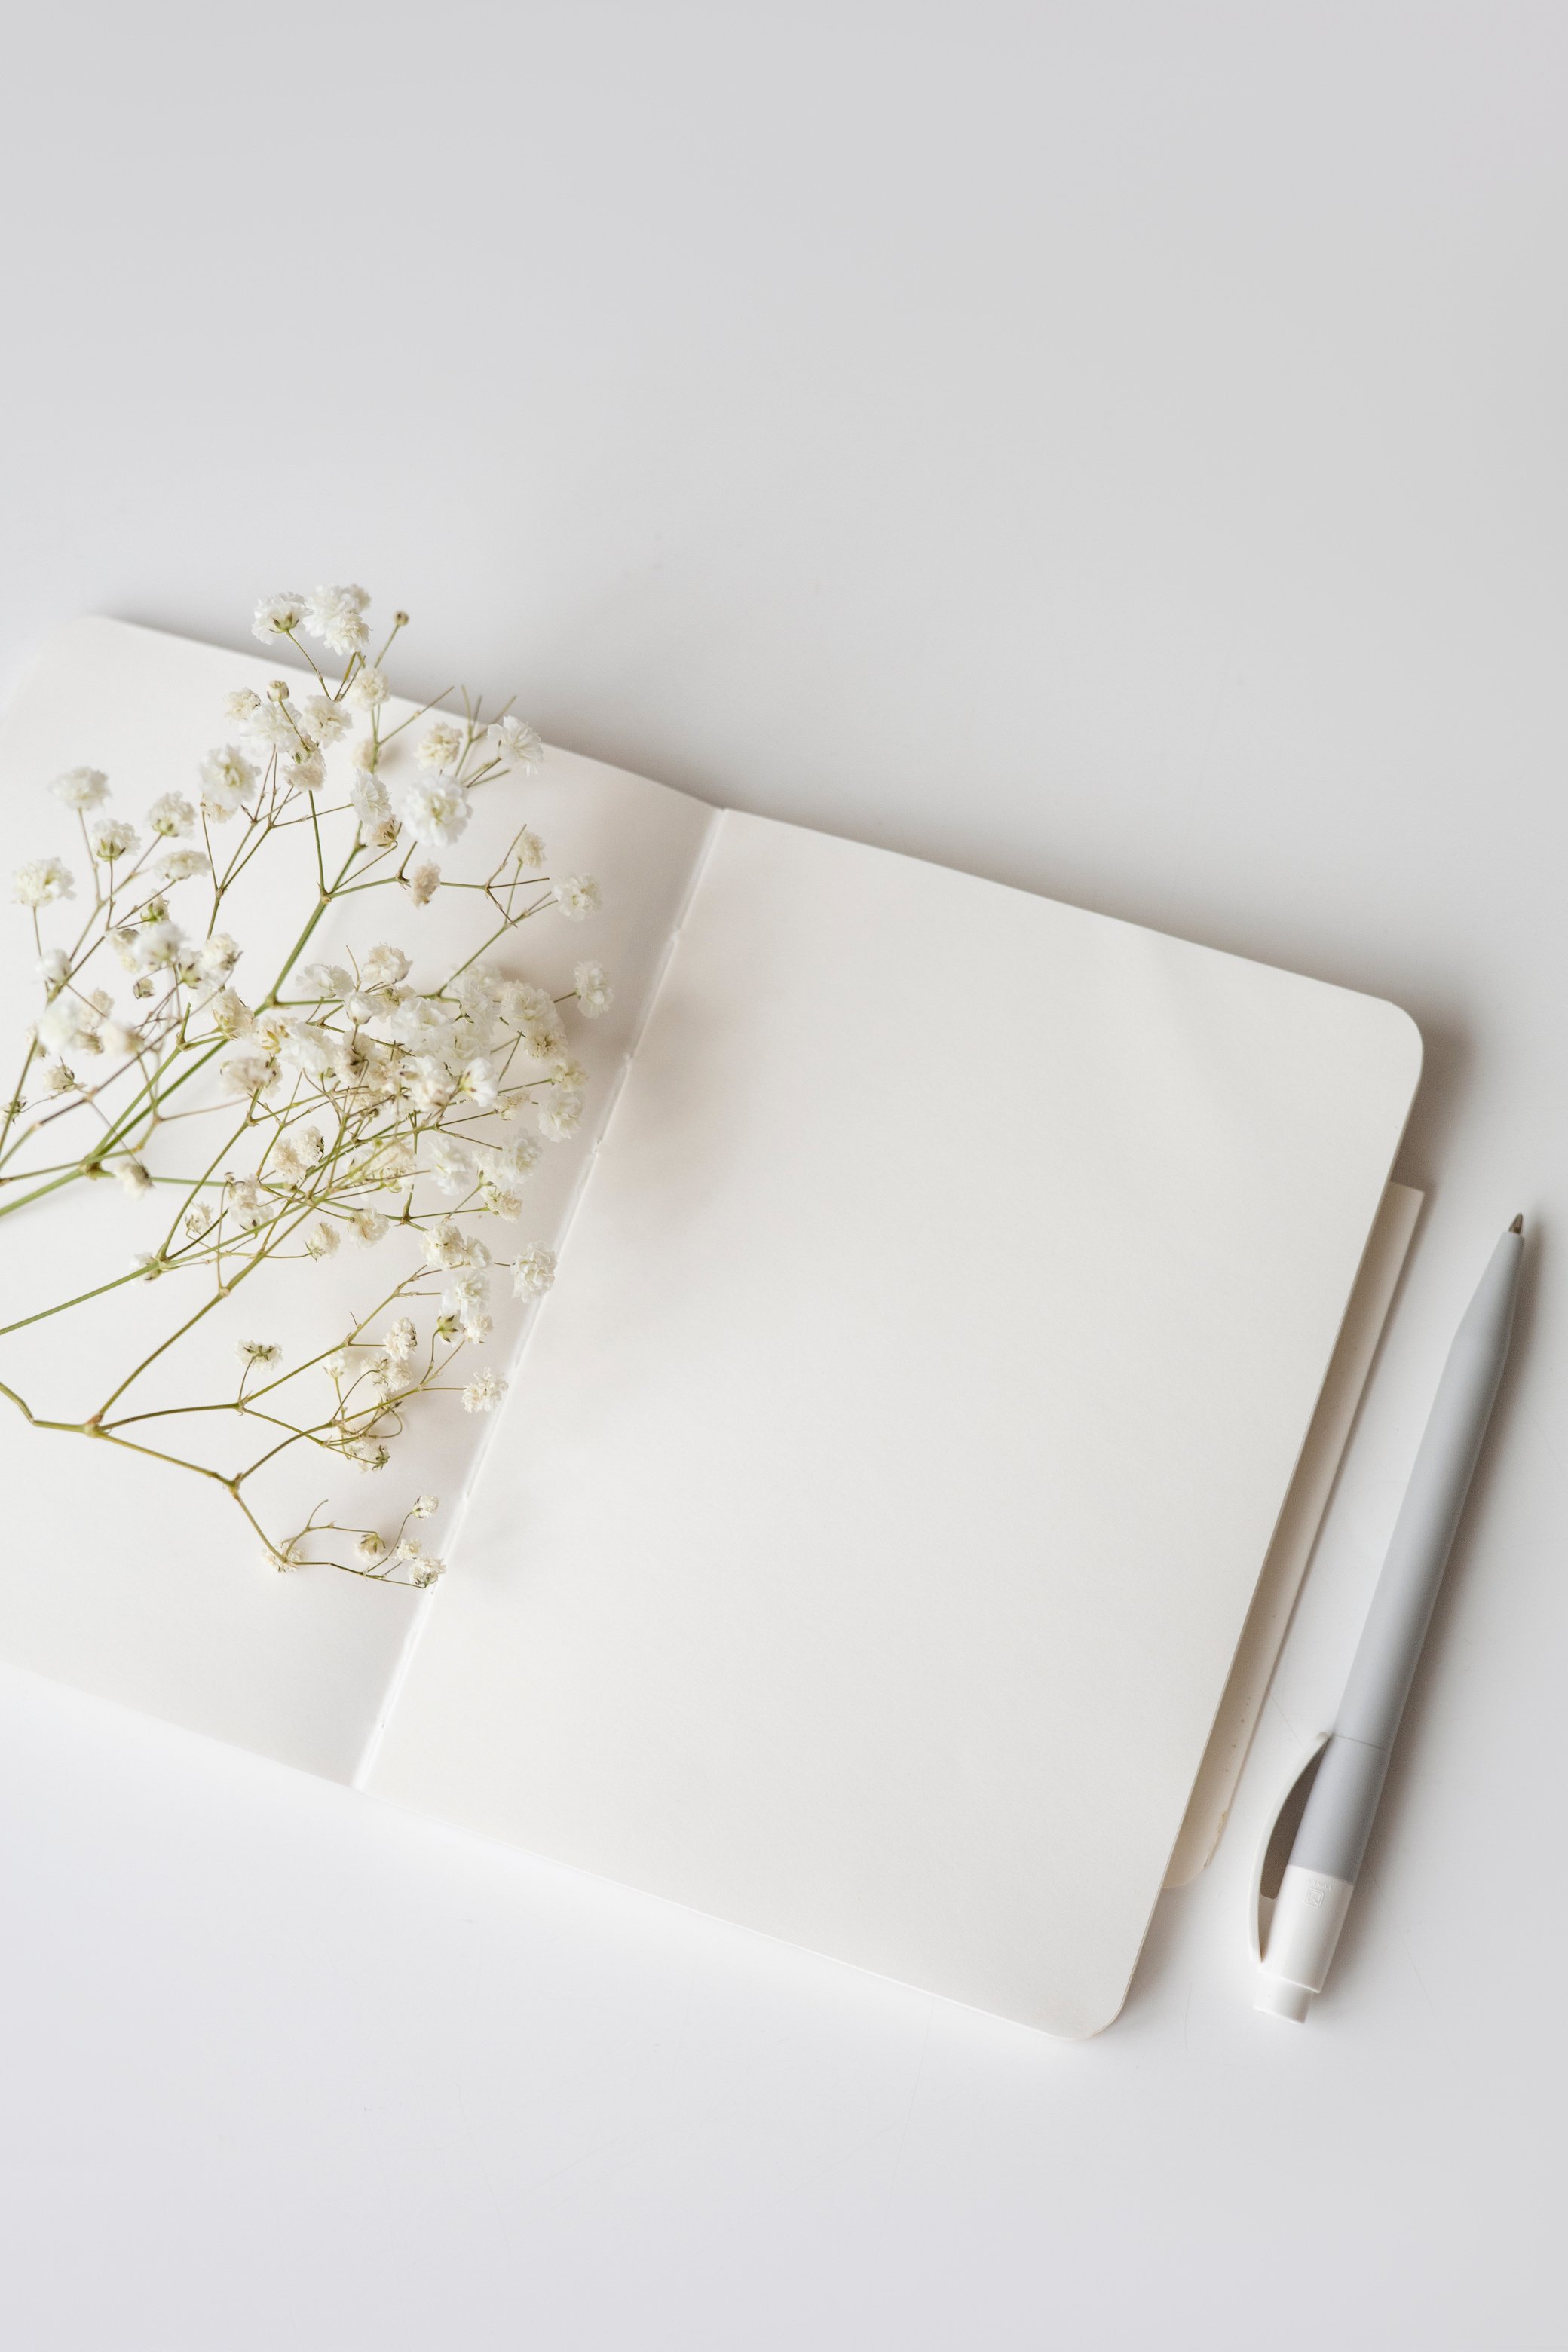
(877, 1513)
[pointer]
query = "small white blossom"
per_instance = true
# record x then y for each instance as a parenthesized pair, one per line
(411, 1554)
(561, 1117)
(326, 720)
(272, 724)
(183, 865)
(53, 967)
(424, 1507)
(321, 982)
(519, 742)
(171, 815)
(369, 1226)
(259, 1351)
(302, 771)
(249, 1072)
(81, 788)
(336, 616)
(43, 881)
(368, 690)
(382, 967)
(400, 1339)
(370, 1548)
(246, 1203)
(477, 1085)
(228, 781)
(482, 1393)
(577, 894)
(239, 705)
(276, 616)
(441, 747)
(230, 1015)
(421, 885)
(218, 956)
(322, 1240)
(435, 809)
(533, 1271)
(112, 838)
(133, 1177)
(594, 993)
(446, 1245)
(450, 1163)
(197, 1220)
(528, 851)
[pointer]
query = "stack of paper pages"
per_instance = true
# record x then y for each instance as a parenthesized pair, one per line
(910, 1467)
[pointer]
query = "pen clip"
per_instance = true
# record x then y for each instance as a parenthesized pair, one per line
(1279, 1836)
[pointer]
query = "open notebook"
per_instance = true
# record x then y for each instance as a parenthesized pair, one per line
(881, 1506)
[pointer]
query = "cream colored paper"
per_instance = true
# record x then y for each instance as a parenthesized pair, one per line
(870, 1532)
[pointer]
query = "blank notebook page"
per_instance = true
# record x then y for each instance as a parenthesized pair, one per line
(875, 1512)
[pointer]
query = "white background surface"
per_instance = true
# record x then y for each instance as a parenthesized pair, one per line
(1117, 448)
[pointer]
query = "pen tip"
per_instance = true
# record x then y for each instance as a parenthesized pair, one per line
(1517, 1224)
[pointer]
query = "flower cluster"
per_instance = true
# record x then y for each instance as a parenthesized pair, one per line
(355, 1101)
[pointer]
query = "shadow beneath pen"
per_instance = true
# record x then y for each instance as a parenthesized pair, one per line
(1403, 1789)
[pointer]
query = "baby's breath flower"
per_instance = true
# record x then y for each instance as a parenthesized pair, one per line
(230, 1015)
(336, 616)
(532, 1271)
(81, 788)
(594, 993)
(482, 1393)
(302, 771)
(326, 720)
(112, 838)
(321, 980)
(278, 616)
(441, 747)
(561, 1116)
(351, 1046)
(171, 815)
(228, 781)
(183, 865)
(577, 894)
(43, 881)
(218, 956)
(424, 1507)
(249, 1072)
(382, 967)
(519, 743)
(435, 810)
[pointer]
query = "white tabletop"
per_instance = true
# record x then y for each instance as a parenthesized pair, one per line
(1117, 449)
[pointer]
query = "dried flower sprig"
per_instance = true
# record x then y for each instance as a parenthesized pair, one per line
(341, 1102)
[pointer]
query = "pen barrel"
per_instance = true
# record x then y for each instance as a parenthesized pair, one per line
(1342, 1805)
(1428, 1519)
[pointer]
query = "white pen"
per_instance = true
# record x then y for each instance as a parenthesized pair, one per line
(1315, 1891)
